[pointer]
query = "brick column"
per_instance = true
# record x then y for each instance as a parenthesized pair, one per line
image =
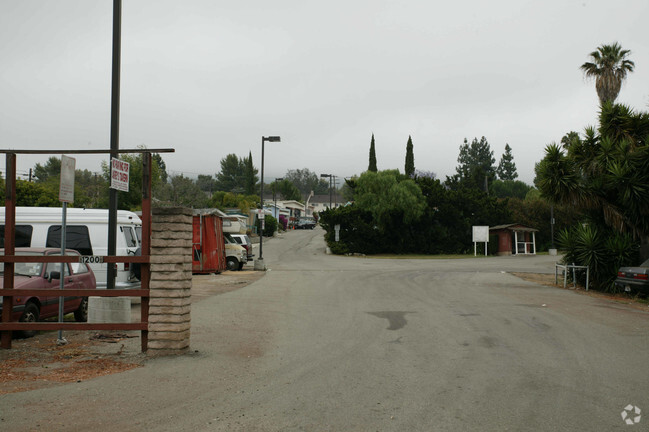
(171, 281)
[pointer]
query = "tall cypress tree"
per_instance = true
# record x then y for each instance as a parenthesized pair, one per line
(410, 158)
(250, 174)
(372, 166)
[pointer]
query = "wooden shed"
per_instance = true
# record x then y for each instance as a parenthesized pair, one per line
(515, 239)
(208, 244)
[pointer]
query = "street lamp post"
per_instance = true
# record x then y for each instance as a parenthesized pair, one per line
(330, 176)
(259, 264)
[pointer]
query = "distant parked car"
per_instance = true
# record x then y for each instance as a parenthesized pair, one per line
(305, 223)
(48, 276)
(634, 279)
(235, 254)
(244, 240)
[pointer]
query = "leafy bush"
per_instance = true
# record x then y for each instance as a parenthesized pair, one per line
(270, 225)
(358, 232)
(283, 222)
(441, 224)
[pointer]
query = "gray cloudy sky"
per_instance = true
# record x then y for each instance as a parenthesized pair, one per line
(210, 77)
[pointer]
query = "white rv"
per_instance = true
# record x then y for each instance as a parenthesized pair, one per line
(86, 232)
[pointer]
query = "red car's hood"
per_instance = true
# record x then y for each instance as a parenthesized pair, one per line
(19, 281)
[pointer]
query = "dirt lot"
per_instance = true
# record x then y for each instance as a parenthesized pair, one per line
(548, 280)
(40, 362)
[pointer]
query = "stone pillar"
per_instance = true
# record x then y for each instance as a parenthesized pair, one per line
(171, 281)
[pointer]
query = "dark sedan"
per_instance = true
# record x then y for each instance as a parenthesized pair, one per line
(30, 308)
(634, 279)
(305, 223)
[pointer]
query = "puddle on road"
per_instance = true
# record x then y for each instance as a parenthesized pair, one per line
(396, 319)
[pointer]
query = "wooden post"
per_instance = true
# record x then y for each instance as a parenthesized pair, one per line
(9, 246)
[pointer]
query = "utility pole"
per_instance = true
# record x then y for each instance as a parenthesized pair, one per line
(114, 140)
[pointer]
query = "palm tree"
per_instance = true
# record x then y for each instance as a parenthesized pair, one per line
(609, 67)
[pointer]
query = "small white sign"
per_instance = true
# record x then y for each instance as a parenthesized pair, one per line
(337, 232)
(119, 174)
(480, 233)
(66, 185)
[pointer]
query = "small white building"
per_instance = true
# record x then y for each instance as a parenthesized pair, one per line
(323, 202)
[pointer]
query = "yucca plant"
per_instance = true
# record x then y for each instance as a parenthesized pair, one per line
(603, 251)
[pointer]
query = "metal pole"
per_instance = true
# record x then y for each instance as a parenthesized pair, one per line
(552, 224)
(261, 224)
(60, 339)
(114, 140)
(330, 191)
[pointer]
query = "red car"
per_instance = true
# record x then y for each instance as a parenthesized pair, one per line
(48, 276)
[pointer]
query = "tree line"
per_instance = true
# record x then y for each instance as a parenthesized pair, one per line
(236, 185)
(595, 185)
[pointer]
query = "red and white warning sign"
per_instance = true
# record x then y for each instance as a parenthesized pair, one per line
(119, 174)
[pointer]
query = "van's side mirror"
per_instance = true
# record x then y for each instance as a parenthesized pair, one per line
(54, 275)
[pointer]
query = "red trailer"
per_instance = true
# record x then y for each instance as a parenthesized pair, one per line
(208, 244)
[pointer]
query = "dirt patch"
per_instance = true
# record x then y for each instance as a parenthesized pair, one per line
(40, 362)
(634, 302)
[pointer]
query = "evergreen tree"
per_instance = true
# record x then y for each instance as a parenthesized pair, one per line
(232, 175)
(372, 165)
(306, 181)
(161, 166)
(410, 158)
(507, 168)
(51, 168)
(206, 183)
(250, 175)
(476, 169)
(183, 191)
(286, 189)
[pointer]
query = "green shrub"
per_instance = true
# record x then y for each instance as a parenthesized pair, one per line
(358, 233)
(604, 251)
(270, 225)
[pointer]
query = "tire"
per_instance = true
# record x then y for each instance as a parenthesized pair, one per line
(81, 314)
(30, 314)
(240, 266)
(232, 263)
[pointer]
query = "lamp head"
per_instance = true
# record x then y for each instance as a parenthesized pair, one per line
(272, 139)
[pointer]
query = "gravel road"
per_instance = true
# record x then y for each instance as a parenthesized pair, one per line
(329, 343)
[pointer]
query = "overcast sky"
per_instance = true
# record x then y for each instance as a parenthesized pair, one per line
(211, 77)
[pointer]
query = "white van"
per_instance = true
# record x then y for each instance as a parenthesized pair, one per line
(86, 232)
